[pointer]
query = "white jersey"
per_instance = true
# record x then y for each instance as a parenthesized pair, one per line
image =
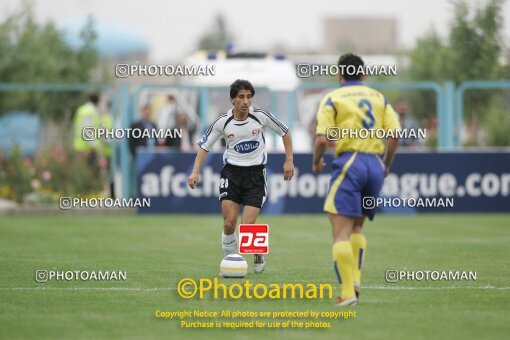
(246, 144)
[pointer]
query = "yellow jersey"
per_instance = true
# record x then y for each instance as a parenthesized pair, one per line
(343, 114)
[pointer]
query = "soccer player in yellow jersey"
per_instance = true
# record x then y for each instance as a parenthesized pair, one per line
(357, 171)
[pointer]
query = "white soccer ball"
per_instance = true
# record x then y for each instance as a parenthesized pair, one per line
(233, 265)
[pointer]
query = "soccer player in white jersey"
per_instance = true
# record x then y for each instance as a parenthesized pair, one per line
(243, 177)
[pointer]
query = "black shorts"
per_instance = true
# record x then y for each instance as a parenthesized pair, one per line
(244, 184)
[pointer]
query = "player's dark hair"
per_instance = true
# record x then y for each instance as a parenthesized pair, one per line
(241, 84)
(94, 98)
(347, 60)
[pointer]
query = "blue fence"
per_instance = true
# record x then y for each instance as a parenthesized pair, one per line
(22, 129)
(449, 108)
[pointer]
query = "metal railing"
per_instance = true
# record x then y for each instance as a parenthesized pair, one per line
(449, 106)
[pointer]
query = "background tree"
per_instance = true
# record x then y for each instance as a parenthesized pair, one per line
(473, 51)
(218, 37)
(35, 53)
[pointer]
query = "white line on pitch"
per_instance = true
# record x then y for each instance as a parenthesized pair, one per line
(431, 288)
(135, 289)
(91, 288)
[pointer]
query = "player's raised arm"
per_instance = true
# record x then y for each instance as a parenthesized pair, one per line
(319, 149)
(205, 143)
(325, 120)
(288, 166)
(267, 119)
(389, 154)
(195, 174)
(390, 122)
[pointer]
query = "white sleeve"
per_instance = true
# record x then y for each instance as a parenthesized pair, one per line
(269, 120)
(213, 133)
(162, 119)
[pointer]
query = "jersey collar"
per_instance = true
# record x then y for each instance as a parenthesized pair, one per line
(231, 111)
(351, 83)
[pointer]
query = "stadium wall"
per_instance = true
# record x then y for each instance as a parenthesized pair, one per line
(473, 181)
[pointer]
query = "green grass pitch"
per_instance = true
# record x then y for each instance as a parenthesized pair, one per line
(158, 251)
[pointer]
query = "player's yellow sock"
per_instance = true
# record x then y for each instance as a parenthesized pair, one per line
(359, 244)
(342, 257)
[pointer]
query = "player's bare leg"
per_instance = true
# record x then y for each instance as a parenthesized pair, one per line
(230, 212)
(342, 256)
(342, 227)
(359, 246)
(250, 215)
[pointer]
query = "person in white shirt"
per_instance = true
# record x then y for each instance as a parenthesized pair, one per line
(243, 177)
(172, 117)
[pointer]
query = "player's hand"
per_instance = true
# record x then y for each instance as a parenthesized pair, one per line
(288, 170)
(192, 180)
(319, 167)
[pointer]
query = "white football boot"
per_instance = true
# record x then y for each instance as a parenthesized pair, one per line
(258, 263)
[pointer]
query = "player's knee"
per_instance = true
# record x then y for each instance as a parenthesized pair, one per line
(249, 220)
(357, 229)
(229, 227)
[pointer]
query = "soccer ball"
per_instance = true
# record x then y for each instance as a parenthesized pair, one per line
(233, 265)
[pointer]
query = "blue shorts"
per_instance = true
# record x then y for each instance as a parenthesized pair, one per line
(354, 176)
